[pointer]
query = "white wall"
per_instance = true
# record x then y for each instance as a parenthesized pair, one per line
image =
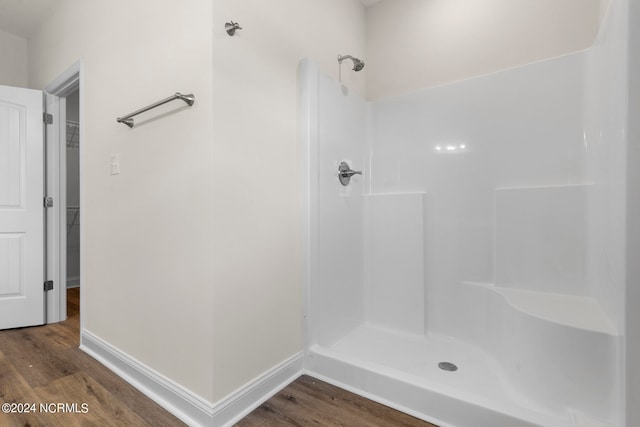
(394, 248)
(632, 294)
(458, 143)
(13, 51)
(413, 44)
(605, 121)
(540, 238)
(256, 172)
(335, 131)
(193, 252)
(148, 283)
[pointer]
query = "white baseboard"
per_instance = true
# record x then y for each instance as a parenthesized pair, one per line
(73, 282)
(176, 399)
(183, 403)
(240, 403)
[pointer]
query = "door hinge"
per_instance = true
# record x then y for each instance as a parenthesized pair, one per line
(48, 202)
(48, 285)
(47, 118)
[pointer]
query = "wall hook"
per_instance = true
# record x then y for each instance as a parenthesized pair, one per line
(231, 27)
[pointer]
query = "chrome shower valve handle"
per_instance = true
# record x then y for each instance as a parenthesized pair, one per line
(345, 173)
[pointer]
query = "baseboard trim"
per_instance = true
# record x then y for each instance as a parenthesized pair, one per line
(184, 404)
(240, 403)
(73, 282)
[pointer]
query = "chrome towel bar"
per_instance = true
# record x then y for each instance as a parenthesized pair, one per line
(127, 120)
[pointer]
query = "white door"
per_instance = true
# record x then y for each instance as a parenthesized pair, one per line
(21, 208)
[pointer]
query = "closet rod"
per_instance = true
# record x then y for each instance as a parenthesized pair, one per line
(127, 120)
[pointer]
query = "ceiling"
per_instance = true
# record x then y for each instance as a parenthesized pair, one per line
(22, 17)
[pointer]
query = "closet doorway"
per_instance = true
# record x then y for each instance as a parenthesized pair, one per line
(73, 216)
(72, 189)
(64, 190)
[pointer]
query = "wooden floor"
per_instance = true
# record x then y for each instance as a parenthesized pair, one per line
(44, 366)
(311, 402)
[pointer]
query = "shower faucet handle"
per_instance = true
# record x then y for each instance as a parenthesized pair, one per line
(345, 173)
(350, 173)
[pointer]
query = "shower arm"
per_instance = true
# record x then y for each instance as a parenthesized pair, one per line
(343, 57)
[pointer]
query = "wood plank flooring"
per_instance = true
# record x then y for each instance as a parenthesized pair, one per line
(311, 402)
(43, 365)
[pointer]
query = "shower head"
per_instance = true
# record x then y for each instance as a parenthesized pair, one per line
(357, 63)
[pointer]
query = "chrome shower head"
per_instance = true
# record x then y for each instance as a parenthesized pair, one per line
(358, 64)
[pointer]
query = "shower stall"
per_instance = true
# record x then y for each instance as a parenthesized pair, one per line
(473, 275)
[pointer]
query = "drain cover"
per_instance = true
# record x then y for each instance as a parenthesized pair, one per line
(447, 366)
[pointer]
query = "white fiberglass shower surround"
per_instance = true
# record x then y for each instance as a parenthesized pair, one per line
(486, 231)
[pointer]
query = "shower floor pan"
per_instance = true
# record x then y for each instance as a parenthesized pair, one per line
(401, 371)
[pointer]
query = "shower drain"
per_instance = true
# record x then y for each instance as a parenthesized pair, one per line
(447, 366)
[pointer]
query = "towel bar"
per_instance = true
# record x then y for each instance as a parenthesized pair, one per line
(128, 120)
